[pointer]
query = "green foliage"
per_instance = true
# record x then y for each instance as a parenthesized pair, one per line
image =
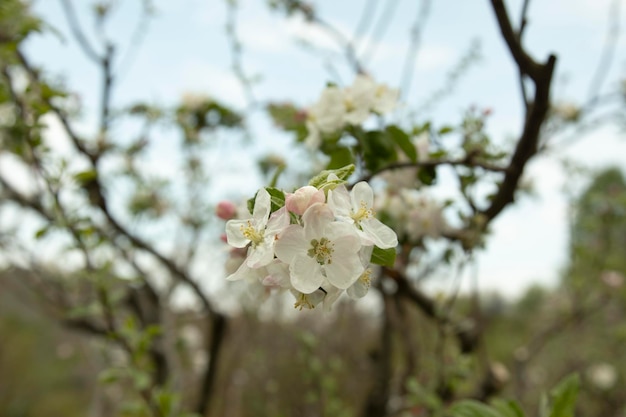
(383, 257)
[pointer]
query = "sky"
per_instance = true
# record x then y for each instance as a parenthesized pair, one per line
(185, 49)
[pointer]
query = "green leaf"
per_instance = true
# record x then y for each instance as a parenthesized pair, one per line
(378, 150)
(383, 257)
(472, 408)
(340, 157)
(564, 397)
(42, 232)
(507, 408)
(110, 376)
(277, 197)
(85, 177)
(427, 175)
(445, 130)
(321, 180)
(401, 138)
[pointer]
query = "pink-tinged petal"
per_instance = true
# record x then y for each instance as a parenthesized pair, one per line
(277, 275)
(291, 242)
(315, 219)
(344, 269)
(382, 235)
(306, 274)
(260, 255)
(303, 198)
(362, 193)
(262, 207)
(279, 220)
(234, 236)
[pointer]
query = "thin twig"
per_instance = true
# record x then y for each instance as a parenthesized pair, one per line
(608, 52)
(76, 29)
(408, 69)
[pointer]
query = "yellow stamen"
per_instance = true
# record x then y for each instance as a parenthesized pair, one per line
(303, 302)
(252, 234)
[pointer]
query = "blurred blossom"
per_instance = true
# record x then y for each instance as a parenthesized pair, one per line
(603, 375)
(612, 279)
(225, 210)
(414, 215)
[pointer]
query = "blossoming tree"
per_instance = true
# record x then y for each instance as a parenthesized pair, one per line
(125, 241)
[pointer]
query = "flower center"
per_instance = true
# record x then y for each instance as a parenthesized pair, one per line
(321, 251)
(363, 212)
(303, 302)
(250, 233)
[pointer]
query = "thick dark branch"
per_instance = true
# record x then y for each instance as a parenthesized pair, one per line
(525, 63)
(527, 145)
(218, 330)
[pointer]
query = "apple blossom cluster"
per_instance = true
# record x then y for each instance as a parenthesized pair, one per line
(414, 215)
(353, 105)
(316, 242)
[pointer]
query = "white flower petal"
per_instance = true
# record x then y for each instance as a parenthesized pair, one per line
(362, 194)
(290, 243)
(306, 274)
(344, 269)
(382, 235)
(315, 219)
(359, 289)
(243, 272)
(261, 255)
(278, 221)
(339, 203)
(262, 206)
(234, 236)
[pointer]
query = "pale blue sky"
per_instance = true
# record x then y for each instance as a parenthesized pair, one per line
(185, 49)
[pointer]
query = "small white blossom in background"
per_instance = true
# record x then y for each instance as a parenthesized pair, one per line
(602, 375)
(336, 108)
(318, 245)
(612, 279)
(414, 215)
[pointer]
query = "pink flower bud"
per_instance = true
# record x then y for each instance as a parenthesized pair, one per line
(303, 198)
(224, 238)
(225, 210)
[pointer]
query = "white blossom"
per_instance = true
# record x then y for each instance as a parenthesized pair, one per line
(357, 208)
(320, 250)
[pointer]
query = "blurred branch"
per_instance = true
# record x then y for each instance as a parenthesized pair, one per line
(467, 336)
(527, 145)
(469, 161)
(380, 28)
(520, 33)
(608, 52)
(237, 52)
(378, 396)
(364, 22)
(78, 32)
(411, 54)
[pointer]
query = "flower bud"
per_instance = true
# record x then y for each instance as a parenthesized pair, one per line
(303, 198)
(225, 210)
